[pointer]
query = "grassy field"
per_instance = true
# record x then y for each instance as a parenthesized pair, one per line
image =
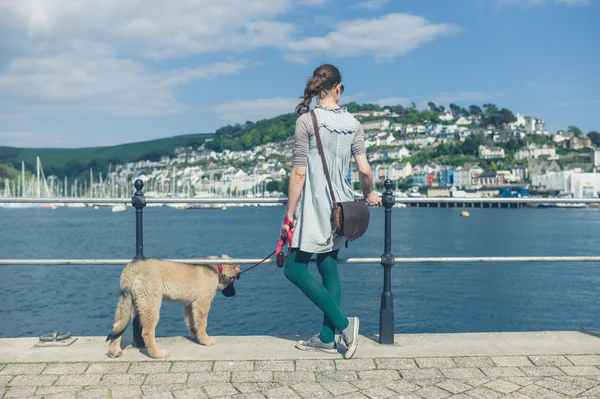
(76, 161)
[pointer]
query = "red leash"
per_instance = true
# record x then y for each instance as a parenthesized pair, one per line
(278, 252)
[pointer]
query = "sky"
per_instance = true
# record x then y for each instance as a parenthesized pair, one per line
(79, 73)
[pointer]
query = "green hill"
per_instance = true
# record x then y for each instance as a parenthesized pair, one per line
(73, 162)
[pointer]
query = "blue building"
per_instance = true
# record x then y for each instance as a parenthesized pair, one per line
(419, 180)
(446, 177)
(514, 192)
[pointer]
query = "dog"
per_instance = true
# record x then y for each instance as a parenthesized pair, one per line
(145, 283)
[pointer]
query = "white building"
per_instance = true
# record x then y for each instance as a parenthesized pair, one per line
(467, 178)
(534, 151)
(447, 116)
(379, 124)
(462, 121)
(595, 157)
(575, 182)
(486, 152)
(395, 153)
(519, 123)
(385, 139)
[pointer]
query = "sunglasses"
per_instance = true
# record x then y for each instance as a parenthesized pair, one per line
(341, 89)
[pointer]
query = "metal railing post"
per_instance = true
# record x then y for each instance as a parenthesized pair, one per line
(386, 313)
(139, 202)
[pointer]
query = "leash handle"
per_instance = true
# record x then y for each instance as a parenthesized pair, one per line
(282, 240)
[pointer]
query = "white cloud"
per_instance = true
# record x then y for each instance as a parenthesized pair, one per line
(383, 38)
(110, 56)
(27, 139)
(372, 4)
(240, 111)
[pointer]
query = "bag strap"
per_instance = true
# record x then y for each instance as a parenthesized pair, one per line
(320, 145)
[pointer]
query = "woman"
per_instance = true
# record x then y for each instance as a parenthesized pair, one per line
(309, 203)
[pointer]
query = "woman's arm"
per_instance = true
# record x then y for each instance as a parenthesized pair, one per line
(297, 179)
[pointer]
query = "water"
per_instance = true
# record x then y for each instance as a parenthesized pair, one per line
(436, 298)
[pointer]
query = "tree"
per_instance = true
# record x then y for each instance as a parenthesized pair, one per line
(464, 112)
(475, 110)
(576, 131)
(433, 107)
(398, 109)
(455, 109)
(595, 137)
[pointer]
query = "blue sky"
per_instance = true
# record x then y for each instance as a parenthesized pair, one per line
(76, 74)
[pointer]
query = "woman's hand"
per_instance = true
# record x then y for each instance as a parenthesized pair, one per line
(284, 230)
(373, 199)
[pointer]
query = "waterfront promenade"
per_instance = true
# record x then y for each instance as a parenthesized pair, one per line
(431, 366)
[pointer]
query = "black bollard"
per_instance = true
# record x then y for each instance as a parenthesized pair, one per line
(139, 202)
(386, 313)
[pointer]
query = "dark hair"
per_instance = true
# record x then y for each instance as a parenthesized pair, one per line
(324, 78)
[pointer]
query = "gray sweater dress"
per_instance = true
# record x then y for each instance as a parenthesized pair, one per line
(343, 137)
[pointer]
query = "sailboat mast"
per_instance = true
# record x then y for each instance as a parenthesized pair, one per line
(38, 177)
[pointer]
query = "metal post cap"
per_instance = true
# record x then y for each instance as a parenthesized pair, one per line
(138, 184)
(388, 184)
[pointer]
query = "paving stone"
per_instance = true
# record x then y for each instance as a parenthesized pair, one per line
(550, 361)
(365, 384)
(583, 382)
(433, 392)
(402, 386)
(315, 365)
(94, 393)
(27, 368)
(336, 375)
(166, 378)
(154, 389)
(189, 393)
(511, 361)
(523, 381)
(253, 395)
(462, 373)
(247, 387)
(123, 379)
(465, 362)
(311, 390)
(33, 380)
(53, 390)
(5, 379)
(412, 396)
(190, 367)
(379, 375)
(161, 395)
(395, 364)
(294, 377)
(252, 376)
(125, 391)
(460, 396)
(150, 367)
(355, 364)
(516, 395)
(585, 360)
(234, 366)
(535, 391)
(79, 379)
(64, 395)
(20, 391)
(502, 386)
(108, 368)
(353, 395)
(581, 370)
(215, 390)
(484, 393)
(207, 378)
(542, 371)
(593, 391)
(565, 387)
(379, 392)
(274, 365)
(338, 388)
(454, 386)
(281, 393)
(421, 374)
(435, 363)
(66, 368)
(498, 372)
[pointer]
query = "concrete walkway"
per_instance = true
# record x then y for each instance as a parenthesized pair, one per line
(463, 366)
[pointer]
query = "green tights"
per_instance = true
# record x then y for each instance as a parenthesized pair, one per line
(327, 296)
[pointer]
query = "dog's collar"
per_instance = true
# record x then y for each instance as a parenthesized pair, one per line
(220, 268)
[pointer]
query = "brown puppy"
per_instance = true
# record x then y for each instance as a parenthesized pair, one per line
(144, 284)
